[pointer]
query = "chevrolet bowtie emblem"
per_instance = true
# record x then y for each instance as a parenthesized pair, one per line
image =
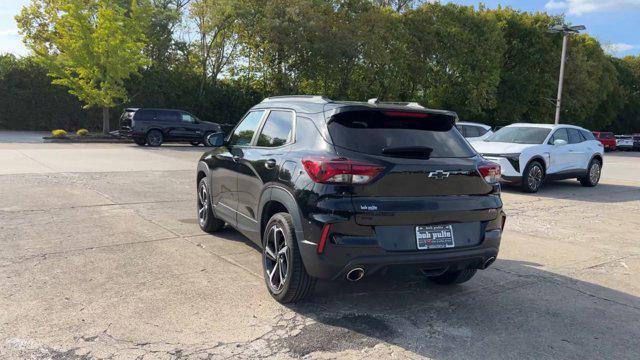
(438, 175)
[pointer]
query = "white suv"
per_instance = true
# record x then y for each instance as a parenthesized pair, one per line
(531, 153)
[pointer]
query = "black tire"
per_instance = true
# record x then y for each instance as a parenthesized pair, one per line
(592, 178)
(280, 252)
(532, 177)
(206, 219)
(154, 138)
(194, 143)
(140, 142)
(453, 277)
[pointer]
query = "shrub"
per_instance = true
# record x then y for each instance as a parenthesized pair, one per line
(82, 132)
(59, 133)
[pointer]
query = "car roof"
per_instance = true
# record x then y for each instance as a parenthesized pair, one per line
(154, 109)
(312, 104)
(546, 126)
(474, 124)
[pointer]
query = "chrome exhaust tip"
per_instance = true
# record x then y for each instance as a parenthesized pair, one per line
(489, 261)
(355, 274)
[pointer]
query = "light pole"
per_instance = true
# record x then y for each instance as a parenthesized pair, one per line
(566, 31)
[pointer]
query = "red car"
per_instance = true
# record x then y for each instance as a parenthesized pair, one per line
(607, 139)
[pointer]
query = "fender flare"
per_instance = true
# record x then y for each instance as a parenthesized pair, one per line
(540, 159)
(202, 167)
(599, 156)
(146, 132)
(285, 197)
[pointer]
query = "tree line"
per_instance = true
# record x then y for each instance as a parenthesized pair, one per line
(216, 58)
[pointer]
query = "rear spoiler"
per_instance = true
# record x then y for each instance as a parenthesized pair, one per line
(440, 120)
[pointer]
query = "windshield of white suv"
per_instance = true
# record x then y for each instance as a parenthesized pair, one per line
(520, 135)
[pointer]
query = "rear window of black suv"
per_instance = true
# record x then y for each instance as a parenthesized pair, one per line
(374, 132)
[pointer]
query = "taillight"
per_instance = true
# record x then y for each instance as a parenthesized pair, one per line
(490, 171)
(406, 114)
(340, 170)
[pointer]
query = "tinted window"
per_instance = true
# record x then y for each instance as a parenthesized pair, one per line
(243, 133)
(169, 116)
(184, 117)
(277, 129)
(587, 135)
(475, 131)
(145, 115)
(520, 135)
(574, 136)
(559, 134)
(462, 130)
(373, 132)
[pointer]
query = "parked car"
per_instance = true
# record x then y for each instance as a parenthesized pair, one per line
(155, 126)
(607, 139)
(636, 142)
(341, 190)
(532, 153)
(624, 142)
(474, 131)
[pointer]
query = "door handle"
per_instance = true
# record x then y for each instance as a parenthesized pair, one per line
(270, 164)
(236, 158)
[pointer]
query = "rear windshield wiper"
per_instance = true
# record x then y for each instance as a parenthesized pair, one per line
(410, 152)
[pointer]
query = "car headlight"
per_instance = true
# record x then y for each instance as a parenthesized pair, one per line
(514, 159)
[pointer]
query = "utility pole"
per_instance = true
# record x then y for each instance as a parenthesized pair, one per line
(566, 31)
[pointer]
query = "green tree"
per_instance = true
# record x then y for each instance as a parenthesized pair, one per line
(216, 46)
(455, 56)
(90, 46)
(590, 79)
(627, 117)
(529, 68)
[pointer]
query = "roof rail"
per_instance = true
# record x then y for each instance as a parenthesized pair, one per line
(306, 98)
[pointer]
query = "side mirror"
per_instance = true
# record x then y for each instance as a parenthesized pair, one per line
(215, 139)
(559, 142)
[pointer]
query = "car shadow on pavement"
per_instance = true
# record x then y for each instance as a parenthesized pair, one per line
(512, 310)
(572, 190)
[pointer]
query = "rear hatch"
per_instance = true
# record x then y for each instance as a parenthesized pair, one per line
(430, 171)
(126, 120)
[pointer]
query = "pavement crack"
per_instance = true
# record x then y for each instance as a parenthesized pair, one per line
(43, 256)
(221, 257)
(566, 284)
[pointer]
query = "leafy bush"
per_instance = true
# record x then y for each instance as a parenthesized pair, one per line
(59, 133)
(82, 132)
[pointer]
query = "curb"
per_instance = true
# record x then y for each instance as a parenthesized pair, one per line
(50, 139)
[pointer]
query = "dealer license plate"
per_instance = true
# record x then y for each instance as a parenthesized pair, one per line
(434, 237)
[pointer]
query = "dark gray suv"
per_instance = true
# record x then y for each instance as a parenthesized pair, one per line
(154, 126)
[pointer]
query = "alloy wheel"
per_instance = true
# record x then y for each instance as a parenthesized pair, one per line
(203, 205)
(155, 138)
(535, 177)
(594, 173)
(276, 259)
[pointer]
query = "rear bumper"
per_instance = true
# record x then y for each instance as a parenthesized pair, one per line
(337, 260)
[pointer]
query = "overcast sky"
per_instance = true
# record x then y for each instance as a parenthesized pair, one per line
(613, 22)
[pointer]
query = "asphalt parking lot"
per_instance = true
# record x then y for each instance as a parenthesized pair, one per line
(101, 257)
